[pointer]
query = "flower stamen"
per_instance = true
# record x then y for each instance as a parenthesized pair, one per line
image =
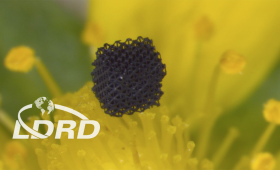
(271, 113)
(263, 161)
(15, 155)
(92, 34)
(20, 59)
(263, 139)
(225, 146)
(210, 116)
(167, 132)
(210, 98)
(48, 79)
(232, 62)
(204, 28)
(7, 121)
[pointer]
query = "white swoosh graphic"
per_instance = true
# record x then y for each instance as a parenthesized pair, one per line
(60, 107)
(74, 112)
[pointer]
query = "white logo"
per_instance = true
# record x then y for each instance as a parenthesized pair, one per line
(43, 104)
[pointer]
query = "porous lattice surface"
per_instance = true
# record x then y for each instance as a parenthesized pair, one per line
(127, 76)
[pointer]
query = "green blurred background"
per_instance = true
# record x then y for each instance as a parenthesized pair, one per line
(53, 31)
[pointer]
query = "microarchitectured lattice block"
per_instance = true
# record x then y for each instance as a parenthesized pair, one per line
(127, 76)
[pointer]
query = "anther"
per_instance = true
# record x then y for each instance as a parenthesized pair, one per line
(272, 111)
(204, 28)
(20, 59)
(81, 153)
(263, 161)
(92, 34)
(206, 165)
(232, 62)
(177, 158)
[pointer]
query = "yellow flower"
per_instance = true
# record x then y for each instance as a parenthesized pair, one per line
(130, 142)
(194, 38)
(148, 140)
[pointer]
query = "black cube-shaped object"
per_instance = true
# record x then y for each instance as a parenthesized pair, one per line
(127, 76)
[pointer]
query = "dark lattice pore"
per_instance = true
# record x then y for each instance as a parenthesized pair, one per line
(127, 76)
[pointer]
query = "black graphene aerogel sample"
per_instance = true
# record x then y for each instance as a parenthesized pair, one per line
(127, 76)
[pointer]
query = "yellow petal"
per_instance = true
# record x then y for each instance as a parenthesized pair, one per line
(247, 27)
(242, 27)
